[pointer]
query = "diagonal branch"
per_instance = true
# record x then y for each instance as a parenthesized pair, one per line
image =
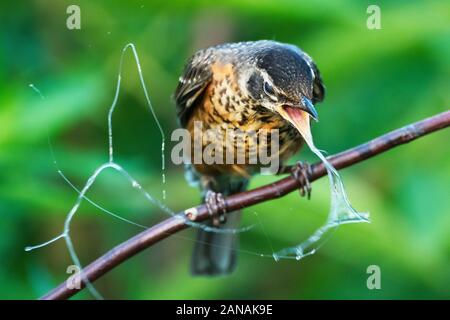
(244, 199)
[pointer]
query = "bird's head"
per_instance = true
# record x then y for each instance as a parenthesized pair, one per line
(286, 81)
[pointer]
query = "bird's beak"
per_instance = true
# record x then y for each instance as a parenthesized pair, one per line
(299, 116)
(305, 106)
(308, 107)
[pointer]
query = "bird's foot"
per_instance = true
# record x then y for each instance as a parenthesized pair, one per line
(215, 204)
(301, 172)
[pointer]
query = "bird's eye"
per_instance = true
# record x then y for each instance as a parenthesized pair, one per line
(268, 89)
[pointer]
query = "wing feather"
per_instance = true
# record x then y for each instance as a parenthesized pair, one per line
(196, 77)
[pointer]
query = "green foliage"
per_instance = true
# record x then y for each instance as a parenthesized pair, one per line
(376, 80)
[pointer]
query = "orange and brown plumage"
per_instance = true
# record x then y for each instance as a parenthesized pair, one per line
(248, 86)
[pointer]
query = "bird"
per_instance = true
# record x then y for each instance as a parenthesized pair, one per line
(253, 85)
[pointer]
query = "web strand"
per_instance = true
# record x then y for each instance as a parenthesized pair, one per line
(112, 165)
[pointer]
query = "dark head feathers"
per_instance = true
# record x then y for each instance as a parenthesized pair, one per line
(288, 70)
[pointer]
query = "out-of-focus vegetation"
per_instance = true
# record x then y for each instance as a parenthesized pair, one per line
(376, 80)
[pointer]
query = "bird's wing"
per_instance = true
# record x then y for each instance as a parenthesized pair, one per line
(196, 77)
(318, 86)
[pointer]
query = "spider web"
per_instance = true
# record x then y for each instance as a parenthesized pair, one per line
(65, 234)
(341, 211)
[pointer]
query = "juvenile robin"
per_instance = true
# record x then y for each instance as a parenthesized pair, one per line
(261, 85)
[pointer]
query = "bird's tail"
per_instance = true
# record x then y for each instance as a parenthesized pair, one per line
(215, 252)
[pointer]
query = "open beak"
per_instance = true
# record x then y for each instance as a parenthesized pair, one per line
(299, 116)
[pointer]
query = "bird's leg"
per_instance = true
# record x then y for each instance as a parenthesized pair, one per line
(301, 172)
(214, 201)
(215, 204)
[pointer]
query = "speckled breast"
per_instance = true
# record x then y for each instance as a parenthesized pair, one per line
(224, 109)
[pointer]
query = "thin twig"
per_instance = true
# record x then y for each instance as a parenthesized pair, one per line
(244, 199)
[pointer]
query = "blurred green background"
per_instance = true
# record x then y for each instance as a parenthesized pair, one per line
(377, 80)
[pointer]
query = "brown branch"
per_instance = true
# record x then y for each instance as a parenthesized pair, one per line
(241, 200)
